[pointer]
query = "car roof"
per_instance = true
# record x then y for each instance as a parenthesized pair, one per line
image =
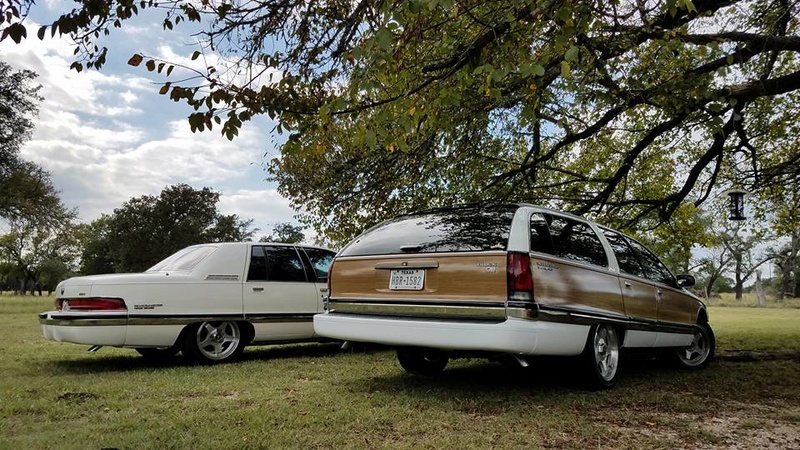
(247, 243)
(500, 204)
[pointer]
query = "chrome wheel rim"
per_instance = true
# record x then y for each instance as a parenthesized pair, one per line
(218, 340)
(606, 352)
(696, 353)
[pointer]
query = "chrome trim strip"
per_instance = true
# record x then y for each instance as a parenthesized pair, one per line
(498, 312)
(280, 318)
(417, 302)
(319, 339)
(576, 317)
(423, 255)
(87, 322)
(223, 277)
(410, 264)
(420, 310)
(96, 321)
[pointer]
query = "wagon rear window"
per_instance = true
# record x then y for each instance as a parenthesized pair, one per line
(462, 229)
(184, 260)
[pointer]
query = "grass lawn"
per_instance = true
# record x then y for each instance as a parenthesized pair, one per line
(56, 395)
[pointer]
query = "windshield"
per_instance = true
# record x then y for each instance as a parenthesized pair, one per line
(184, 260)
(458, 229)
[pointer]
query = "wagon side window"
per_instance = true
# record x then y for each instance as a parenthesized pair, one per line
(284, 264)
(577, 241)
(258, 265)
(654, 269)
(626, 257)
(540, 235)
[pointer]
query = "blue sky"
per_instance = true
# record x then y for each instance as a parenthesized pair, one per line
(107, 136)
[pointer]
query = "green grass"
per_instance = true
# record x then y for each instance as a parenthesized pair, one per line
(750, 301)
(756, 329)
(56, 395)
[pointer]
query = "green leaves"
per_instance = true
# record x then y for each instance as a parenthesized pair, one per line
(571, 54)
(135, 231)
(384, 38)
(16, 31)
(589, 109)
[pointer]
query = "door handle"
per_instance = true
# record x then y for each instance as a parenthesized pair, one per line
(258, 289)
(627, 284)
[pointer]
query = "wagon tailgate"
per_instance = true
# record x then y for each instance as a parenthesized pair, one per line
(450, 278)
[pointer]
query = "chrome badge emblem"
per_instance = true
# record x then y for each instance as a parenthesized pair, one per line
(489, 266)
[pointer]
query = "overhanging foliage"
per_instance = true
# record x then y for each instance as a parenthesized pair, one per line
(623, 110)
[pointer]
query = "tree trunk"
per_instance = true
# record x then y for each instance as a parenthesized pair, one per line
(787, 283)
(738, 278)
(712, 279)
(739, 288)
(789, 276)
(762, 299)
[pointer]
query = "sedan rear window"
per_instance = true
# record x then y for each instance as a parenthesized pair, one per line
(184, 260)
(463, 229)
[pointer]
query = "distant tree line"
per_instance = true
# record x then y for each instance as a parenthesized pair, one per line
(138, 234)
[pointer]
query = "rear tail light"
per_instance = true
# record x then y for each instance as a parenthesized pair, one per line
(520, 278)
(330, 272)
(91, 304)
(326, 301)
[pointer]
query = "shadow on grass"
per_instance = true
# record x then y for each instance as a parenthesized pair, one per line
(133, 362)
(545, 375)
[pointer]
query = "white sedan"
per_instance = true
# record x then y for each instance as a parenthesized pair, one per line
(208, 301)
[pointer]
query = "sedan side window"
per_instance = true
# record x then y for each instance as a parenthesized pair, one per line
(284, 264)
(258, 265)
(320, 261)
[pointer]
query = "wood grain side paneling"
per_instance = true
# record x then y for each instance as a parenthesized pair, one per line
(556, 283)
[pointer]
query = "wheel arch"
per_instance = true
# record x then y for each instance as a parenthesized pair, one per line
(702, 315)
(248, 332)
(247, 329)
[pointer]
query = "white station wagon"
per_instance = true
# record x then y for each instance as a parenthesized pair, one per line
(208, 301)
(511, 281)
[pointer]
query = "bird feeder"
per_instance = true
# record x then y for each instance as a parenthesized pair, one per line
(736, 206)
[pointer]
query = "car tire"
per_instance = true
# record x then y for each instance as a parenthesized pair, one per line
(601, 357)
(159, 353)
(422, 361)
(700, 352)
(212, 342)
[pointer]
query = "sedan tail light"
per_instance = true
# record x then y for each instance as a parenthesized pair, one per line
(91, 304)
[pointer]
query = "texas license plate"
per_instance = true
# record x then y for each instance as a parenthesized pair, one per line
(407, 280)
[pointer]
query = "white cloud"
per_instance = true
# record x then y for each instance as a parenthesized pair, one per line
(107, 136)
(266, 206)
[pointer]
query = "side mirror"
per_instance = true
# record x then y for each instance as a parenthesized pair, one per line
(685, 281)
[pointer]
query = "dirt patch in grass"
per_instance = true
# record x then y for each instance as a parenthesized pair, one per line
(737, 426)
(747, 355)
(76, 396)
